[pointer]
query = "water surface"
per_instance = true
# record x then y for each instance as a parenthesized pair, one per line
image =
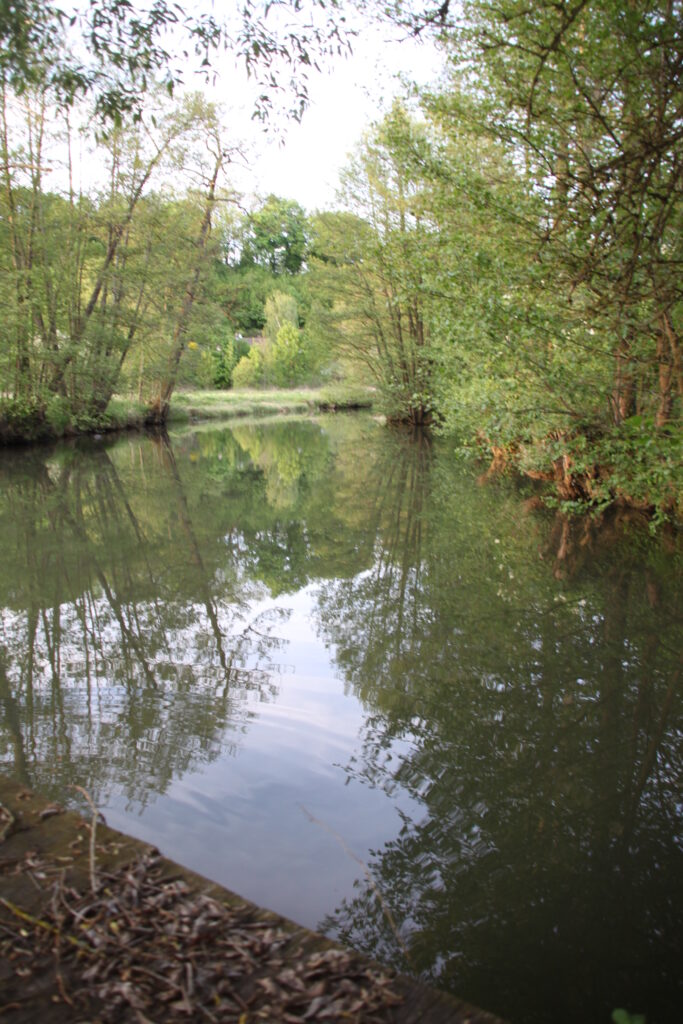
(327, 666)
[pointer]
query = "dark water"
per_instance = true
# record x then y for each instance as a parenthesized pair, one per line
(293, 651)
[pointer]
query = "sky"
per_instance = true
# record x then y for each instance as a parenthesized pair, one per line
(345, 99)
(293, 160)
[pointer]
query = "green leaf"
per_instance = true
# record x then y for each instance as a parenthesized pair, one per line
(621, 1016)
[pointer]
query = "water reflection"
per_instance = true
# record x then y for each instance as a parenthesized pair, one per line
(126, 651)
(512, 687)
(537, 729)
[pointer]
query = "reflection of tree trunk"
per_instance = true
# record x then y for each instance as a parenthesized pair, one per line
(650, 758)
(401, 546)
(127, 635)
(169, 462)
(41, 488)
(13, 722)
(613, 692)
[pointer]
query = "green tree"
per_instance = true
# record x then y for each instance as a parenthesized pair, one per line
(223, 360)
(100, 289)
(286, 359)
(276, 236)
(250, 369)
(280, 309)
(209, 156)
(78, 266)
(125, 49)
(369, 265)
(585, 99)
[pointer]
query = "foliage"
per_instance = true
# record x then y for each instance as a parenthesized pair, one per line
(280, 310)
(624, 1017)
(506, 262)
(523, 246)
(124, 50)
(369, 264)
(224, 361)
(275, 237)
(94, 296)
(249, 371)
(286, 359)
(580, 294)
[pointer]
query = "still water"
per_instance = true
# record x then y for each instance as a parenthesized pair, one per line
(327, 666)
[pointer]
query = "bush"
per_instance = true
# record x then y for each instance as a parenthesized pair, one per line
(58, 414)
(286, 359)
(249, 371)
(223, 363)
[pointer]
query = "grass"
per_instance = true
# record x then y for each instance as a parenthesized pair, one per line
(211, 405)
(126, 413)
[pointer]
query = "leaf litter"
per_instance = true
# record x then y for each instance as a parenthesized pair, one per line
(139, 946)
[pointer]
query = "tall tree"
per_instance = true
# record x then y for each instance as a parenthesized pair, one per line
(370, 264)
(586, 98)
(211, 156)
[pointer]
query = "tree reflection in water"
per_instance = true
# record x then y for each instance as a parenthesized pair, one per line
(518, 675)
(125, 657)
(536, 728)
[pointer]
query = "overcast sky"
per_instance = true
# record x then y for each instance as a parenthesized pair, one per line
(345, 99)
(297, 160)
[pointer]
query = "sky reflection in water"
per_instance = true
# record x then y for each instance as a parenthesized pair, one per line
(276, 648)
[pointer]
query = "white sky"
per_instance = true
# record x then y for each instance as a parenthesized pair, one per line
(295, 161)
(345, 99)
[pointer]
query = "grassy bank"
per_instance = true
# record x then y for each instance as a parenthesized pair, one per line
(211, 405)
(123, 413)
(25, 423)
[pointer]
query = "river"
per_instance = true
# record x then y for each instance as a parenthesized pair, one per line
(341, 672)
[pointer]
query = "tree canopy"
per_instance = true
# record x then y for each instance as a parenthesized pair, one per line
(504, 263)
(275, 236)
(115, 50)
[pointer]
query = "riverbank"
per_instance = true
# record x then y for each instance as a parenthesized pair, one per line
(632, 469)
(99, 926)
(19, 425)
(195, 406)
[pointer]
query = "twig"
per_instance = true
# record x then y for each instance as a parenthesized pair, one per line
(368, 874)
(45, 925)
(8, 824)
(93, 832)
(62, 989)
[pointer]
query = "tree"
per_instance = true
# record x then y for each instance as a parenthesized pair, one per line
(585, 98)
(593, 94)
(100, 289)
(249, 370)
(276, 237)
(208, 141)
(76, 297)
(370, 264)
(280, 309)
(286, 359)
(121, 50)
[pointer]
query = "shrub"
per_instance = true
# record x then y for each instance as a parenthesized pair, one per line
(249, 371)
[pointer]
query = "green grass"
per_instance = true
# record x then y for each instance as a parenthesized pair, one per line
(211, 405)
(126, 413)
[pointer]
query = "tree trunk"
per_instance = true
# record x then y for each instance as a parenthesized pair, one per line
(624, 392)
(665, 381)
(157, 412)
